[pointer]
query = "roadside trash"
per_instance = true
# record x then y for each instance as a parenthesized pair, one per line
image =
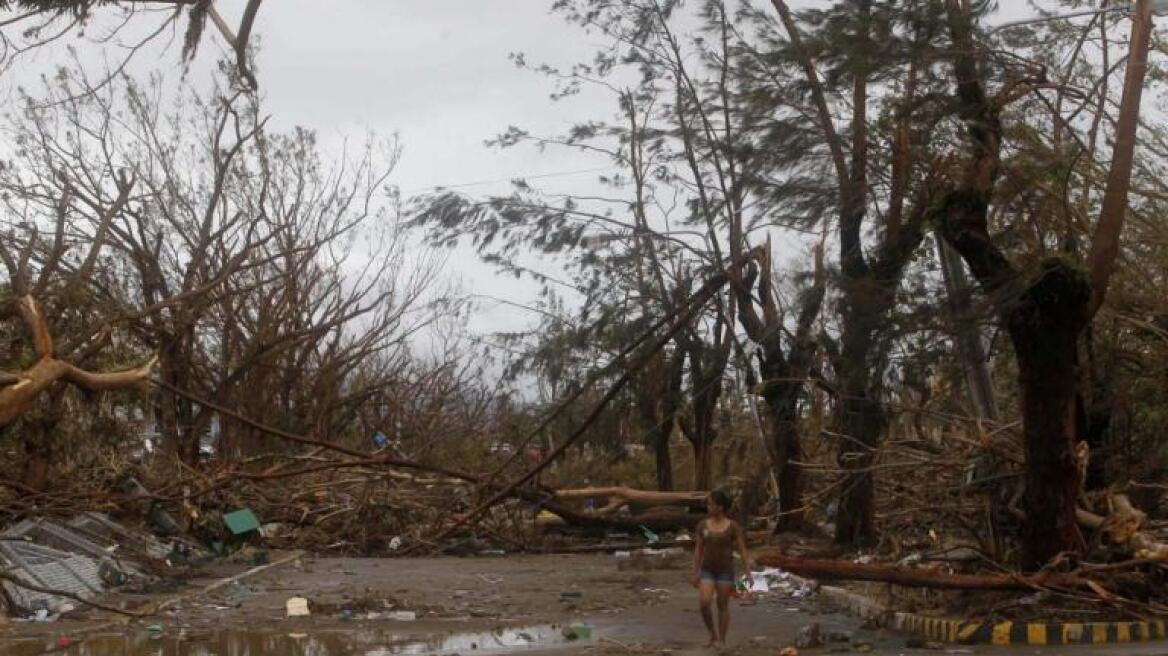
(789, 651)
(492, 552)
(402, 615)
(297, 607)
(577, 632)
(809, 636)
(63, 641)
(683, 537)
(111, 575)
(380, 440)
(346, 614)
(652, 537)
(395, 543)
(271, 529)
(760, 585)
(622, 554)
(155, 630)
(41, 615)
(663, 553)
(242, 522)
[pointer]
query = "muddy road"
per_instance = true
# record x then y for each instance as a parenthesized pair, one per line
(487, 605)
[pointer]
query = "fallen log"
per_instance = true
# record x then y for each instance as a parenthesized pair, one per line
(839, 570)
(654, 521)
(618, 496)
(1124, 526)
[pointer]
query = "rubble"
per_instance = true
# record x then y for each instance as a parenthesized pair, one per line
(46, 568)
(64, 561)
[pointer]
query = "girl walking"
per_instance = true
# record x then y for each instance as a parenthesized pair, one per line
(713, 574)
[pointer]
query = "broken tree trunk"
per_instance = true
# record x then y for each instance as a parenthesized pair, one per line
(20, 389)
(1123, 527)
(914, 577)
(620, 495)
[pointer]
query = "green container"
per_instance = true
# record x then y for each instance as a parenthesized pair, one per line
(241, 522)
(578, 632)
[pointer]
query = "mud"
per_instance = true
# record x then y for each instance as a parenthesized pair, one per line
(465, 606)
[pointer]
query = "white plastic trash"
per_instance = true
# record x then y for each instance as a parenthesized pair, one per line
(403, 615)
(297, 607)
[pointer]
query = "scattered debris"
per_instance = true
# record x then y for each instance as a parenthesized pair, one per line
(577, 632)
(809, 636)
(48, 569)
(242, 523)
(297, 607)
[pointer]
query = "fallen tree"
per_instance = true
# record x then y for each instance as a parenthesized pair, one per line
(1123, 527)
(619, 496)
(840, 570)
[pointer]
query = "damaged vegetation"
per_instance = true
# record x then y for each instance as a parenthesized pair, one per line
(892, 279)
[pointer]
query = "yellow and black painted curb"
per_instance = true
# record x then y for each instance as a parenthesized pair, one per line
(972, 632)
(1029, 633)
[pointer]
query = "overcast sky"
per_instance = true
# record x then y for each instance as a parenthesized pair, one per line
(438, 74)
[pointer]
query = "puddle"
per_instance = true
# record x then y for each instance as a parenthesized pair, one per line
(360, 642)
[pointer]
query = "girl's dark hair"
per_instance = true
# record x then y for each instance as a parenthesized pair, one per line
(722, 498)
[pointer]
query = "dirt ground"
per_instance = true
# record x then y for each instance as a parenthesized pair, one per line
(488, 605)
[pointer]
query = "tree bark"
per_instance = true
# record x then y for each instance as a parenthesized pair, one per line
(861, 416)
(784, 412)
(1045, 330)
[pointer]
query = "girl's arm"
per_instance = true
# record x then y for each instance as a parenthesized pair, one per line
(743, 553)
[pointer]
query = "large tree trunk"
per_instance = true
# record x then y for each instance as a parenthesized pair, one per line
(660, 437)
(861, 416)
(1045, 328)
(703, 449)
(787, 453)
(658, 401)
(39, 448)
(784, 377)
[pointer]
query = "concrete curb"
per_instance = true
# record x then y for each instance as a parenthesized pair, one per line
(972, 632)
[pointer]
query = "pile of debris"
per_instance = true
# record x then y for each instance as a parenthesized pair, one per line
(48, 566)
